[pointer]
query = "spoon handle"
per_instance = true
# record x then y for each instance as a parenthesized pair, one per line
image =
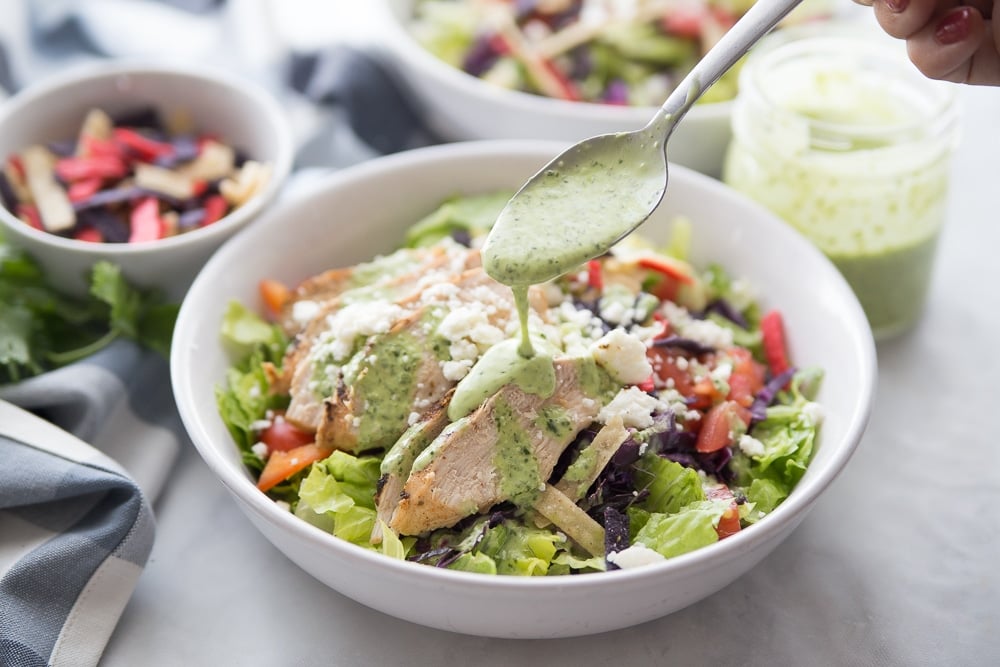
(763, 16)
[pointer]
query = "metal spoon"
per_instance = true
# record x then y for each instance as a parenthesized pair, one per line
(599, 190)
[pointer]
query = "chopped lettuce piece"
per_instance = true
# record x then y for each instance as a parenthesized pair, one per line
(338, 496)
(691, 528)
(671, 486)
(474, 215)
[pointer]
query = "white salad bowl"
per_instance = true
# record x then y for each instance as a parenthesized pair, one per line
(364, 211)
(460, 106)
(237, 111)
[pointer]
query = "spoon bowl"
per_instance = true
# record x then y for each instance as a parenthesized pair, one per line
(601, 189)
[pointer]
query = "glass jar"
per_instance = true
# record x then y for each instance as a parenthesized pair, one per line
(845, 140)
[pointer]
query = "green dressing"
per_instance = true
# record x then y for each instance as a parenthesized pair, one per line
(503, 364)
(520, 477)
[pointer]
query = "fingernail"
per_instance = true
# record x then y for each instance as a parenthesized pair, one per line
(953, 27)
(897, 6)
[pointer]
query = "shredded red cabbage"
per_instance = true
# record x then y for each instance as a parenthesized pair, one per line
(616, 526)
(766, 396)
(686, 344)
(728, 311)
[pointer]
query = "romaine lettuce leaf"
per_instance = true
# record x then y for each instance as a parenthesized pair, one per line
(691, 528)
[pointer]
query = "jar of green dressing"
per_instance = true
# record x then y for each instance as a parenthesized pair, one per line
(844, 139)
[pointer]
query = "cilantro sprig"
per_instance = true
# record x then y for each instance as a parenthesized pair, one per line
(42, 329)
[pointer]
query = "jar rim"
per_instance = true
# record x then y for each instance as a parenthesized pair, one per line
(937, 115)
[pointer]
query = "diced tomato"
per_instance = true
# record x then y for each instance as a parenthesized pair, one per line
(665, 289)
(274, 295)
(665, 367)
(215, 208)
(198, 187)
(499, 44)
(706, 394)
(145, 221)
(684, 22)
(724, 17)
(595, 278)
(143, 147)
(84, 189)
(671, 268)
(647, 385)
(747, 377)
(719, 426)
(282, 436)
(772, 330)
(729, 524)
(88, 234)
(665, 327)
(282, 465)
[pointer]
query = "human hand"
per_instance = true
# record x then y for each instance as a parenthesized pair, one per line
(952, 40)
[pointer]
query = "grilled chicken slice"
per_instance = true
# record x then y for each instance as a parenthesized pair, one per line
(401, 372)
(505, 450)
(298, 374)
(399, 459)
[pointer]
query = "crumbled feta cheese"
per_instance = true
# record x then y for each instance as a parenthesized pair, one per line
(254, 391)
(413, 418)
(707, 333)
(260, 449)
(455, 370)
(352, 321)
(751, 446)
(636, 555)
(634, 406)
(722, 372)
(304, 311)
(813, 412)
(282, 505)
(260, 424)
(623, 356)
(681, 363)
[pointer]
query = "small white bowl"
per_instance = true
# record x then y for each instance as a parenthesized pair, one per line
(238, 111)
(365, 210)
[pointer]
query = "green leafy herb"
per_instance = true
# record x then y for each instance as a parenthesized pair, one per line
(42, 329)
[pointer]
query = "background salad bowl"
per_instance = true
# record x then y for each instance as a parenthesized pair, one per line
(460, 106)
(348, 219)
(236, 112)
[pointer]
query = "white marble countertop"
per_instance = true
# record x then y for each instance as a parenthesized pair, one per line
(896, 565)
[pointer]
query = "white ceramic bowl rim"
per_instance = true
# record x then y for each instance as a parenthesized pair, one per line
(804, 494)
(626, 116)
(280, 166)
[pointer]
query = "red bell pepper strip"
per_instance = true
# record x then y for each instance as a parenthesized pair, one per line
(145, 221)
(215, 208)
(772, 330)
(145, 148)
(594, 276)
(668, 268)
(71, 169)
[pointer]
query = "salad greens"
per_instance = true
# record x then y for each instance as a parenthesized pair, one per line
(711, 437)
(42, 329)
(631, 53)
